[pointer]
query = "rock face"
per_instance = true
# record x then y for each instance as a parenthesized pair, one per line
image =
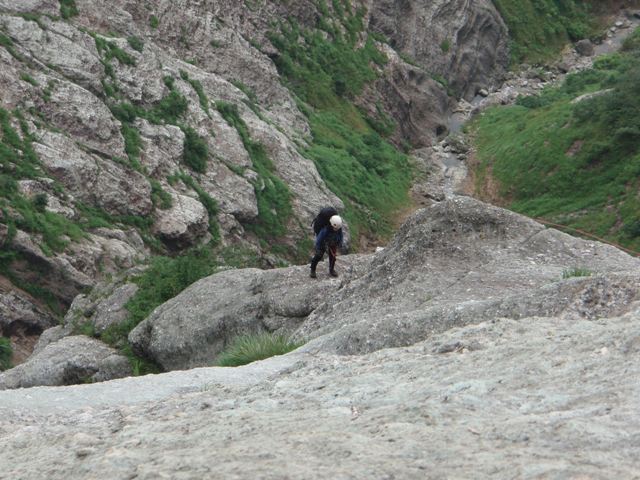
(463, 42)
(458, 262)
(72, 360)
(462, 261)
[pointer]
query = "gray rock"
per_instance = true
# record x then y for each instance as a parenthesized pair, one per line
(500, 396)
(191, 329)
(464, 42)
(86, 118)
(182, 225)
(112, 310)
(99, 182)
(18, 309)
(60, 46)
(49, 7)
(461, 261)
(585, 47)
(71, 360)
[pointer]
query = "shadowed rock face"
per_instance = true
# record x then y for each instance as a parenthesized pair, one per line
(463, 42)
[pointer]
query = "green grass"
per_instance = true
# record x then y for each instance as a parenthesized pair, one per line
(136, 43)
(195, 151)
(197, 86)
(154, 22)
(165, 278)
(576, 272)
(327, 69)
(539, 29)
(5, 353)
(576, 164)
(18, 161)
(251, 348)
(109, 50)
(68, 9)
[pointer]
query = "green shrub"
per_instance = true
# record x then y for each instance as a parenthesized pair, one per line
(195, 151)
(136, 43)
(251, 348)
(153, 21)
(5, 353)
(132, 141)
(29, 79)
(109, 50)
(160, 198)
(68, 9)
(197, 86)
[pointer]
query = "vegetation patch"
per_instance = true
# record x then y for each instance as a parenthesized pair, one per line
(197, 86)
(195, 151)
(5, 353)
(109, 50)
(251, 348)
(272, 194)
(539, 29)
(68, 9)
(136, 43)
(327, 68)
(575, 162)
(576, 272)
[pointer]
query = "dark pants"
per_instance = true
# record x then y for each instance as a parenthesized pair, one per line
(320, 253)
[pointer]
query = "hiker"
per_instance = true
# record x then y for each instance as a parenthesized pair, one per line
(328, 238)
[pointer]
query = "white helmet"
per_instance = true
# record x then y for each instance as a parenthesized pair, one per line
(336, 222)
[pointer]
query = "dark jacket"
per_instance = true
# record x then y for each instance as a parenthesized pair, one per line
(329, 237)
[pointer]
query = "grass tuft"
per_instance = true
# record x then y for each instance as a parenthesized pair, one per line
(576, 272)
(251, 348)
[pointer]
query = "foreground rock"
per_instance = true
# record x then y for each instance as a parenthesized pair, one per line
(529, 398)
(72, 360)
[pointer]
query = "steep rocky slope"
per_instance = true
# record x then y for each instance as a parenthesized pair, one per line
(138, 127)
(472, 352)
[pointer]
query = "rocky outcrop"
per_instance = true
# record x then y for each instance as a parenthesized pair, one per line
(191, 329)
(528, 398)
(458, 262)
(72, 360)
(460, 41)
(462, 261)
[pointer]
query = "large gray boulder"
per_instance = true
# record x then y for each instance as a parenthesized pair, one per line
(191, 329)
(463, 261)
(71, 360)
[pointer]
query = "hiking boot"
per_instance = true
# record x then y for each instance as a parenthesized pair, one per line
(333, 273)
(313, 274)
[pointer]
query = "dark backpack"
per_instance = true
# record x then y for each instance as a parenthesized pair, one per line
(322, 219)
